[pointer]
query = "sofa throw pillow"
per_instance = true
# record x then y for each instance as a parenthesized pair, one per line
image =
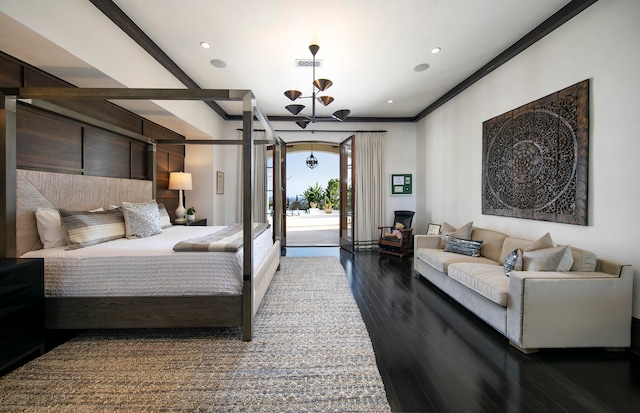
(543, 242)
(566, 262)
(583, 260)
(513, 261)
(90, 228)
(546, 259)
(464, 232)
(165, 219)
(463, 246)
(141, 220)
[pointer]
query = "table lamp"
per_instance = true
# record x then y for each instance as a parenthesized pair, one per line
(180, 181)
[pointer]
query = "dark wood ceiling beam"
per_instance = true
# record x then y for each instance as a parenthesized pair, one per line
(562, 16)
(113, 12)
(559, 18)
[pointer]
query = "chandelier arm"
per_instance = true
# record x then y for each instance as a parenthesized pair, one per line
(339, 115)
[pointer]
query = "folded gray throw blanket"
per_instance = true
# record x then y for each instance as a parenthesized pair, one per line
(228, 239)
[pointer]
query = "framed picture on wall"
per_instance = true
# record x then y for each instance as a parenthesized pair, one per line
(220, 182)
(401, 184)
(433, 229)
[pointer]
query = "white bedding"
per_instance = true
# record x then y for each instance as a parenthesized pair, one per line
(146, 267)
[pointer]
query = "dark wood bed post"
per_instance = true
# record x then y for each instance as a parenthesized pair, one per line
(247, 216)
(8, 181)
(250, 111)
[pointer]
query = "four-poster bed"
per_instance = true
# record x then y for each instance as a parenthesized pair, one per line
(35, 189)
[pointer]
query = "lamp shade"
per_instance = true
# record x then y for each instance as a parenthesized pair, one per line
(180, 180)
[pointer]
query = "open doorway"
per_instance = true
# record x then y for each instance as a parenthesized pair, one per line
(312, 200)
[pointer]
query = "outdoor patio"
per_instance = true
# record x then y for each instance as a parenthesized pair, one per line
(313, 229)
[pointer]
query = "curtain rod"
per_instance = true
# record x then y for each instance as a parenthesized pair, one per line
(321, 130)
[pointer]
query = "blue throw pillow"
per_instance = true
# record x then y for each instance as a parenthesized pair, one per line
(463, 246)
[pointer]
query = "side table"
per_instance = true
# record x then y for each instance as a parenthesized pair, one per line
(195, 223)
(21, 309)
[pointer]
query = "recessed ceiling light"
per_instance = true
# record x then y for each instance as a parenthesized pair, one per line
(421, 67)
(390, 101)
(435, 50)
(205, 45)
(218, 63)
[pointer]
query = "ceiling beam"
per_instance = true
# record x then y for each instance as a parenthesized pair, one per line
(113, 12)
(566, 13)
(559, 18)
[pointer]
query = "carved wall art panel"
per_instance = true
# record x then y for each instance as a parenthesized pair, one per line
(535, 159)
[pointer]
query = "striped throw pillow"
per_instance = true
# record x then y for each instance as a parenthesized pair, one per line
(90, 228)
(463, 246)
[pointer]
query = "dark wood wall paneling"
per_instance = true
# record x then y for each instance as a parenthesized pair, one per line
(50, 142)
(169, 158)
(47, 143)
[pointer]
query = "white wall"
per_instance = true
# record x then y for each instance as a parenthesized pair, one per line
(202, 161)
(399, 152)
(601, 44)
(399, 157)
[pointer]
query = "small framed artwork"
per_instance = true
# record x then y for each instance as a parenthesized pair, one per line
(433, 229)
(401, 184)
(220, 182)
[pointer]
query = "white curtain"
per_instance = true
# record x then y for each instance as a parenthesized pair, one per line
(369, 187)
(259, 196)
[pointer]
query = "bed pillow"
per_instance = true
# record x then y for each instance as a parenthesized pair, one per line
(52, 233)
(165, 219)
(50, 228)
(90, 228)
(463, 246)
(141, 220)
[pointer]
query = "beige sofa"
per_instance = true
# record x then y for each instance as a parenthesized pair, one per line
(587, 306)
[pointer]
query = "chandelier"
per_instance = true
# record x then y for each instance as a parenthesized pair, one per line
(319, 85)
(312, 161)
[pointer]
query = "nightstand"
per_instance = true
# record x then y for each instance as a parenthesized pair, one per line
(196, 223)
(21, 309)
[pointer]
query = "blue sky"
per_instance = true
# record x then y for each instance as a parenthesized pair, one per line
(299, 176)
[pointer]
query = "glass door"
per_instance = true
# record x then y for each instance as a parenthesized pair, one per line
(347, 196)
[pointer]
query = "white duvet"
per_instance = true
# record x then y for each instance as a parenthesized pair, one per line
(146, 267)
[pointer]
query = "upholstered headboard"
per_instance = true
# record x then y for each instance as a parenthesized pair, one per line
(36, 189)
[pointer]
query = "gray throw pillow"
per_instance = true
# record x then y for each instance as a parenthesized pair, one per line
(141, 220)
(546, 259)
(464, 232)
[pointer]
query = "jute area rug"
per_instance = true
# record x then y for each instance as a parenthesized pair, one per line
(310, 352)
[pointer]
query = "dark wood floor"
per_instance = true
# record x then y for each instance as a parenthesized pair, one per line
(435, 356)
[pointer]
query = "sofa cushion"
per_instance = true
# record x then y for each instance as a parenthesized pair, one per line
(463, 246)
(487, 280)
(583, 260)
(464, 232)
(441, 260)
(491, 242)
(510, 244)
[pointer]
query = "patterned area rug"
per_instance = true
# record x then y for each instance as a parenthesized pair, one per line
(310, 352)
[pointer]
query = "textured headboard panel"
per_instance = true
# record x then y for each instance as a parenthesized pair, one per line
(37, 189)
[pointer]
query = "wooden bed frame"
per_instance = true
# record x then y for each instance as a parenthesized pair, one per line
(35, 189)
